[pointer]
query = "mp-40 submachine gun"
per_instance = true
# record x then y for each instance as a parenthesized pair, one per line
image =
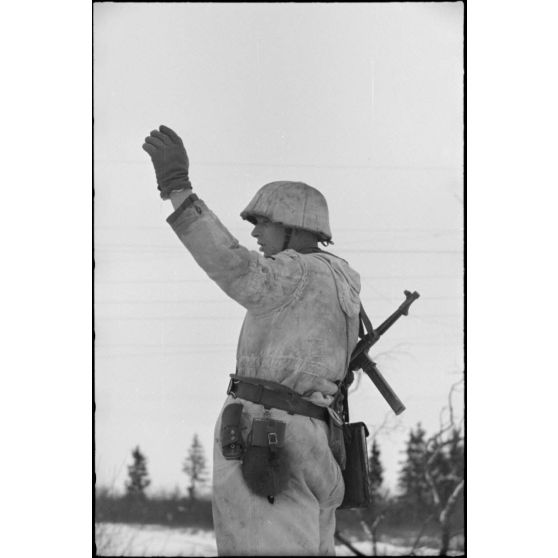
(361, 361)
(355, 458)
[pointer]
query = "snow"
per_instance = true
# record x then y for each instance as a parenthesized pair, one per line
(120, 539)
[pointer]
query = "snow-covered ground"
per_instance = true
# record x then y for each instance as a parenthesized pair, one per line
(119, 539)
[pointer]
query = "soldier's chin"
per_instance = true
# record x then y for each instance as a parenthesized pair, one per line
(266, 252)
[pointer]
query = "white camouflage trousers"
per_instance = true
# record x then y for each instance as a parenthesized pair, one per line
(301, 521)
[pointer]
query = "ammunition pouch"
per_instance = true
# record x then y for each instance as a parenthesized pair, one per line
(265, 466)
(232, 445)
(355, 474)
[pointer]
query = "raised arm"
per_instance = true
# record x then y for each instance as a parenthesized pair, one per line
(257, 283)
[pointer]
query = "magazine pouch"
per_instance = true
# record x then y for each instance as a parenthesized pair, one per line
(232, 446)
(265, 467)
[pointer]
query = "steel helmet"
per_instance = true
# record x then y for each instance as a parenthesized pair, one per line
(292, 204)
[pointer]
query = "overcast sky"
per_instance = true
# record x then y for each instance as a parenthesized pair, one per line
(362, 101)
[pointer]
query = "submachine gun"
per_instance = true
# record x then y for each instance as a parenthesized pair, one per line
(355, 472)
(361, 361)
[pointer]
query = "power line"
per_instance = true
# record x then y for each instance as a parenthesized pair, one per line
(223, 351)
(163, 252)
(184, 317)
(407, 168)
(164, 355)
(232, 349)
(161, 346)
(206, 280)
(187, 345)
(165, 227)
(187, 317)
(227, 300)
(379, 251)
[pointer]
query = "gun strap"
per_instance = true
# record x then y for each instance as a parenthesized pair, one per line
(364, 328)
(365, 323)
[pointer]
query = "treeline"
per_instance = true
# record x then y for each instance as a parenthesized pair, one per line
(164, 509)
(428, 506)
(175, 509)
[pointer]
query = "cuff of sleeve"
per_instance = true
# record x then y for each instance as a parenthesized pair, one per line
(184, 185)
(175, 216)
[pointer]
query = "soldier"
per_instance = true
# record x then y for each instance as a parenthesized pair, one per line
(276, 480)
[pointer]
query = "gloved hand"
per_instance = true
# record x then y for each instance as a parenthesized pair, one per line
(170, 160)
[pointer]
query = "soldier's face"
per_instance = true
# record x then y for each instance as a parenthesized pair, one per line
(270, 236)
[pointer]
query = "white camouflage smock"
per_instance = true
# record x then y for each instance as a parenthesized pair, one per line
(300, 327)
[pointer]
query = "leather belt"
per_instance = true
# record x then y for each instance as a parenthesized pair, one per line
(285, 400)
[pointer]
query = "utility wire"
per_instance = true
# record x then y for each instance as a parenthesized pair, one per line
(407, 168)
(205, 280)
(225, 300)
(211, 318)
(397, 230)
(163, 252)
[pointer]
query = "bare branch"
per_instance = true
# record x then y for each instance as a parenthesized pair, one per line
(450, 407)
(450, 396)
(437, 450)
(377, 521)
(433, 442)
(345, 541)
(420, 533)
(383, 425)
(388, 426)
(433, 487)
(364, 526)
(452, 500)
(393, 353)
(433, 448)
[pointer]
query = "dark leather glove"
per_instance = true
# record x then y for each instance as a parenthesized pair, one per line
(170, 160)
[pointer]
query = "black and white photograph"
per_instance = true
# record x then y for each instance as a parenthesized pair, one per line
(279, 279)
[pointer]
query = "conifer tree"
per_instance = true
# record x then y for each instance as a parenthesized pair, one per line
(195, 465)
(375, 474)
(447, 464)
(412, 481)
(137, 474)
(444, 473)
(375, 512)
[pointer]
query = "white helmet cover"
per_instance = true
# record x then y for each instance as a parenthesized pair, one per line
(292, 204)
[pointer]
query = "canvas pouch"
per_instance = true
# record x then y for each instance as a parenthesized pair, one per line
(265, 466)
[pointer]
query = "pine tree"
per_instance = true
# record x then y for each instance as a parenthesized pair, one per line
(445, 470)
(195, 465)
(374, 513)
(138, 475)
(375, 474)
(447, 466)
(412, 481)
(432, 478)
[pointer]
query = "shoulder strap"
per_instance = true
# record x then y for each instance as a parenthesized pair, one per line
(365, 323)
